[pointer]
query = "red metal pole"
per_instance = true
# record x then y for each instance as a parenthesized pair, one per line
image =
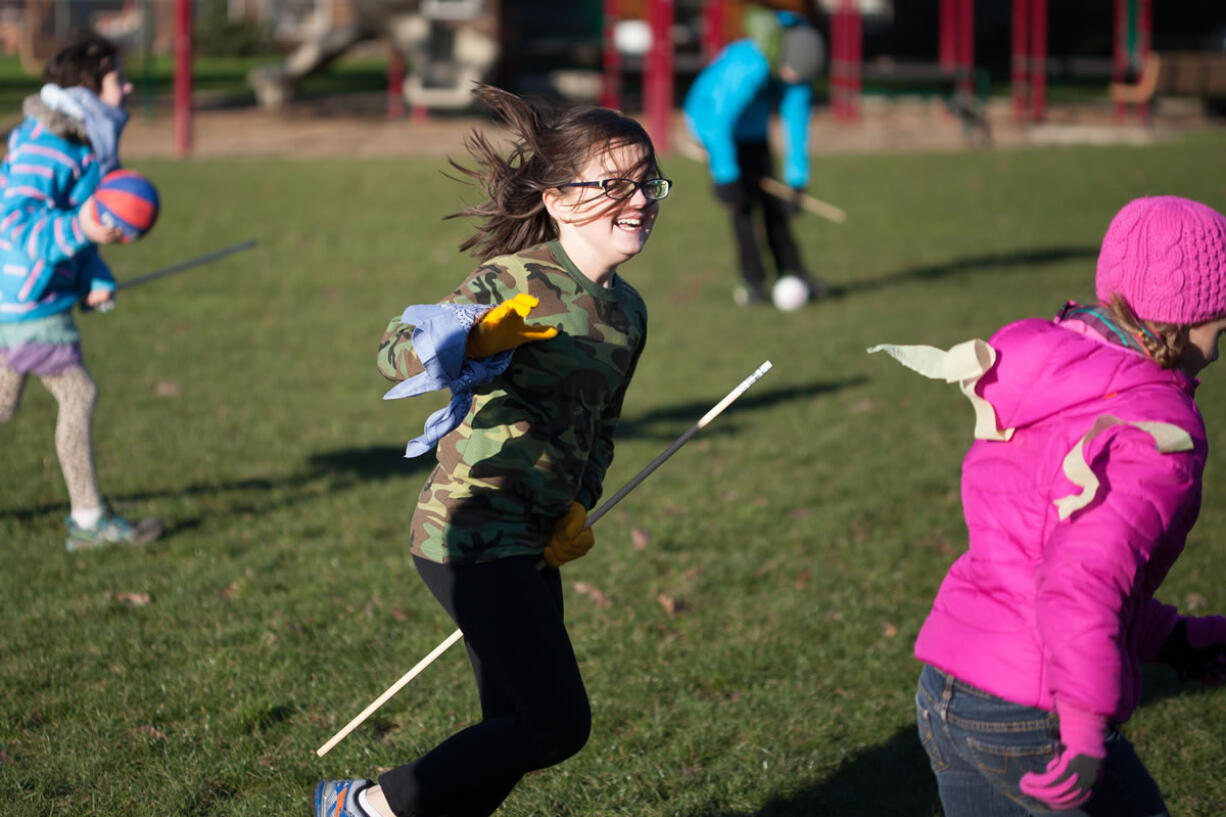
(837, 47)
(855, 56)
(966, 48)
(658, 78)
(183, 77)
(845, 63)
(1020, 74)
(948, 36)
(712, 29)
(1038, 59)
(395, 84)
(611, 88)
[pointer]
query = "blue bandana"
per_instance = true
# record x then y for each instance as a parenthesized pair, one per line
(440, 334)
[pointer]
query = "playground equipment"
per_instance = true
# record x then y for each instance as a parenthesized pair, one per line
(1133, 27)
(1132, 34)
(660, 60)
(956, 58)
(447, 45)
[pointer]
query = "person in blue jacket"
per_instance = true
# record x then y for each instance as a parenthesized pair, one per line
(727, 109)
(49, 262)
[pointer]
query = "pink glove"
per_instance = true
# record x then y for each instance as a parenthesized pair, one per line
(1069, 779)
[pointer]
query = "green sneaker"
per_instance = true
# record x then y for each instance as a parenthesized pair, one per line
(112, 530)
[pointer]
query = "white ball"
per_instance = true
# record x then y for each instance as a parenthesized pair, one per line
(790, 293)
(632, 37)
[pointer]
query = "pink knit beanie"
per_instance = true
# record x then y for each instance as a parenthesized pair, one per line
(1166, 256)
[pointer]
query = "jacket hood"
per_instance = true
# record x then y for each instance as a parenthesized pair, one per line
(1043, 368)
(58, 122)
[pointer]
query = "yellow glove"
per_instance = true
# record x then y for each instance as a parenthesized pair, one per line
(503, 328)
(570, 540)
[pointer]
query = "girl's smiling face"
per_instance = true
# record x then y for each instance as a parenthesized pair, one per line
(599, 232)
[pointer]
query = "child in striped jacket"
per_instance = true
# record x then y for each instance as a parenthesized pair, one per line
(49, 237)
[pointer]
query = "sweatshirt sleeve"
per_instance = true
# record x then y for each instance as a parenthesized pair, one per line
(94, 273)
(38, 230)
(1096, 560)
(396, 359)
(1155, 623)
(794, 119)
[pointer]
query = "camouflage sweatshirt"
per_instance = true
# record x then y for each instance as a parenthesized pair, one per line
(539, 436)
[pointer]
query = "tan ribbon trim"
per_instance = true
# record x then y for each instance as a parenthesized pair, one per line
(1168, 438)
(963, 364)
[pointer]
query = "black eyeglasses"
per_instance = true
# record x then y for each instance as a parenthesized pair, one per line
(653, 189)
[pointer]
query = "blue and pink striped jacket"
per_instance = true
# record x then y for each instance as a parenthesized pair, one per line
(46, 262)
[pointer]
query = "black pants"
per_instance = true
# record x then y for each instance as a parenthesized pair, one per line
(533, 704)
(755, 162)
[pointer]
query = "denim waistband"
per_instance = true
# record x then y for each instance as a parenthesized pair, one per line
(943, 690)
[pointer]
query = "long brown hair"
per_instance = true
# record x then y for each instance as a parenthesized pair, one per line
(1165, 342)
(549, 146)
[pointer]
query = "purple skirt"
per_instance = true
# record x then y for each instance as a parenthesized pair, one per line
(42, 358)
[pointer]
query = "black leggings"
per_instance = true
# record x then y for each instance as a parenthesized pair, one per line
(756, 163)
(533, 704)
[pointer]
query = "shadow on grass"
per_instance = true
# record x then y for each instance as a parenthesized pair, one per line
(347, 468)
(892, 778)
(993, 262)
(641, 427)
(333, 470)
(1159, 682)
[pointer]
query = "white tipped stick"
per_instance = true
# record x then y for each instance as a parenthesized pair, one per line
(680, 441)
(591, 520)
(392, 690)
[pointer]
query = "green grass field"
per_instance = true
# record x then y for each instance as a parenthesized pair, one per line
(753, 658)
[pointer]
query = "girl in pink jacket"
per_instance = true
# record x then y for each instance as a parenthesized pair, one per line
(1079, 492)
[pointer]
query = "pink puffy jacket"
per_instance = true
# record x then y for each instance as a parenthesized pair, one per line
(1041, 607)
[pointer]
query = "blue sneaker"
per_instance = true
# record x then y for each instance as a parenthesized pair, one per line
(111, 530)
(339, 798)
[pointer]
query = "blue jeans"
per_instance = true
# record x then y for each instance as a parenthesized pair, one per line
(980, 746)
